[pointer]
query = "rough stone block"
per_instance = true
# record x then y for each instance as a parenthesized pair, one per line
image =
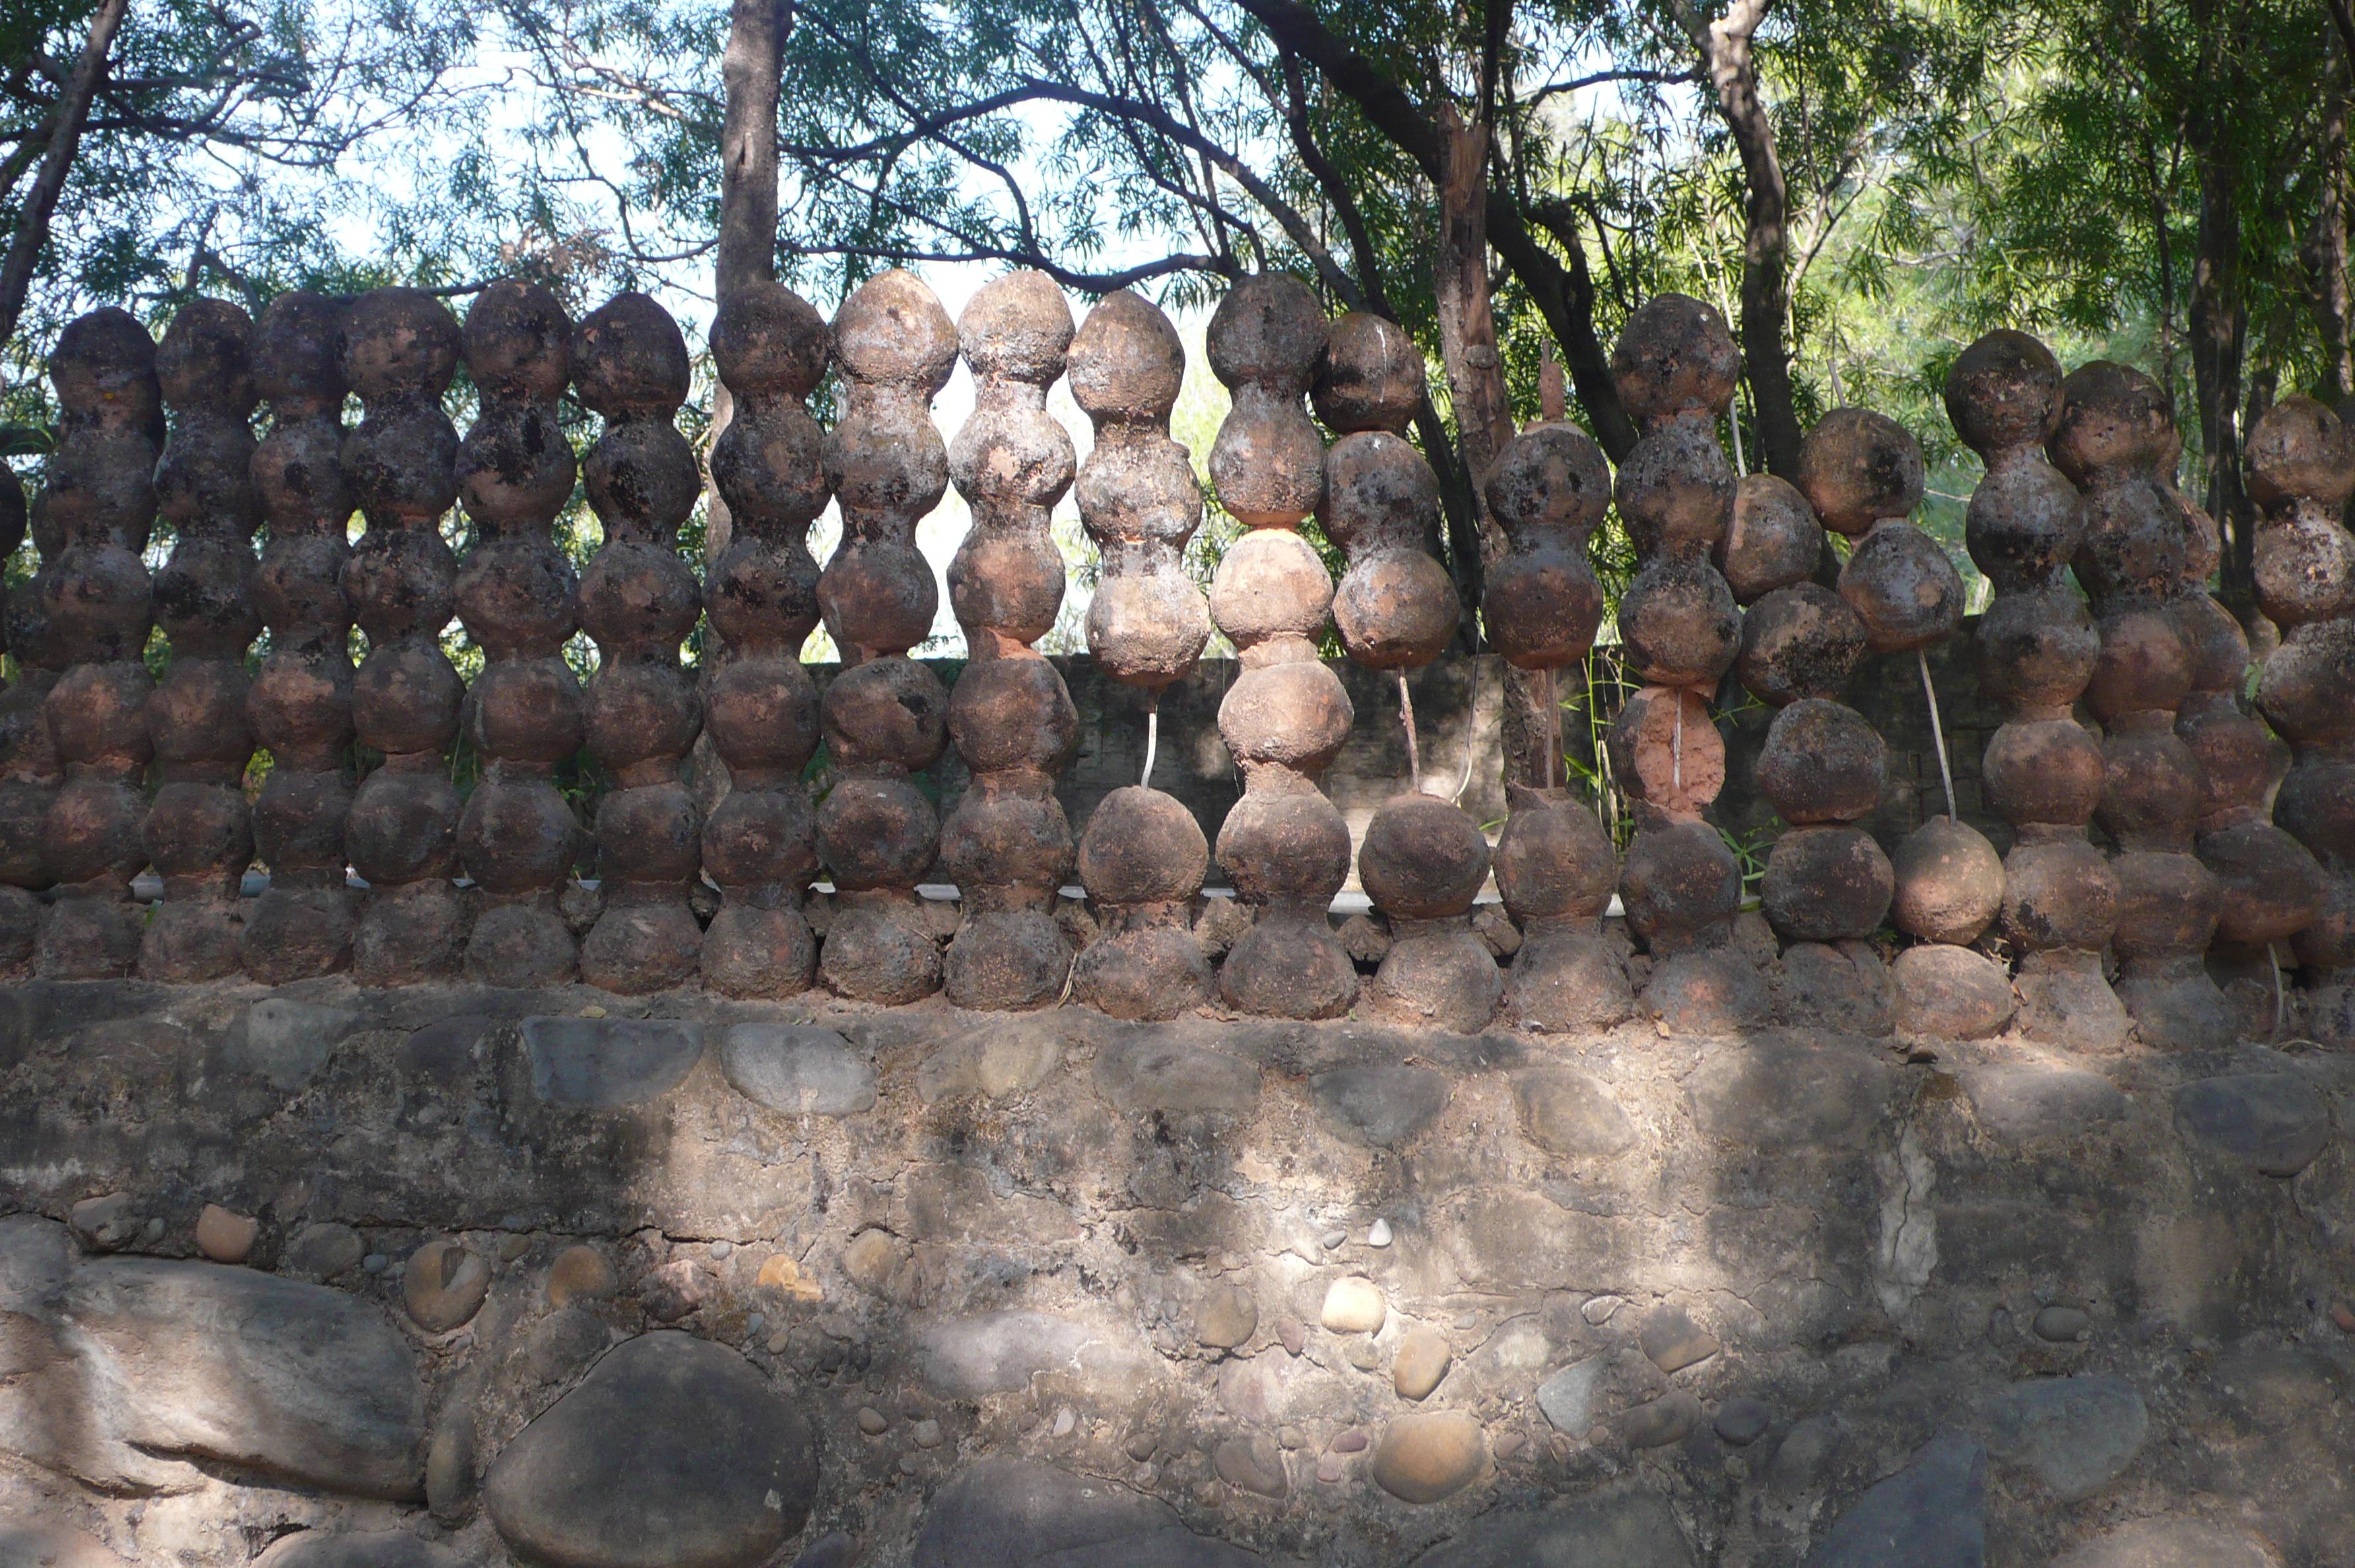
(797, 1071)
(673, 1450)
(2272, 1121)
(608, 1063)
(1384, 1106)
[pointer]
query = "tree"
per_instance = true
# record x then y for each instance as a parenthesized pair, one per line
(150, 150)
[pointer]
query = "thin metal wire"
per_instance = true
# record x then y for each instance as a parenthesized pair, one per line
(1152, 736)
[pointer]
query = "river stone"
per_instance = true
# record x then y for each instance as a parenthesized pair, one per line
(1567, 1398)
(1007, 1057)
(2169, 1543)
(1660, 1422)
(1633, 1529)
(2061, 1325)
(2074, 1434)
(1384, 1106)
(283, 1042)
(1673, 1342)
(672, 1453)
(1775, 1097)
(1251, 1463)
(324, 1249)
(1931, 1514)
(580, 1271)
(1006, 1513)
(1354, 1306)
(444, 1285)
(1144, 1076)
(2275, 1121)
(2024, 1101)
(1426, 1458)
(352, 1549)
(1225, 1317)
(1421, 1361)
(226, 1237)
(1568, 1112)
(251, 1370)
(608, 1063)
(798, 1069)
(29, 1545)
(1742, 1420)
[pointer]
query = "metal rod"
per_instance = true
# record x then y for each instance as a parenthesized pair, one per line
(1937, 733)
(1677, 745)
(1152, 736)
(1413, 748)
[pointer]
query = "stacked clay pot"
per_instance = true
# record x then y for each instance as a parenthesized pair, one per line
(1862, 474)
(1423, 860)
(639, 601)
(399, 350)
(95, 595)
(517, 839)
(199, 833)
(2037, 650)
(2002, 396)
(1679, 631)
(1007, 843)
(1142, 856)
(28, 762)
(1555, 866)
(2269, 886)
(1285, 847)
(2116, 441)
(2301, 471)
(885, 715)
(300, 706)
(759, 704)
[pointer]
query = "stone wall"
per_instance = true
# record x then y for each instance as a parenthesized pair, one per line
(430, 1275)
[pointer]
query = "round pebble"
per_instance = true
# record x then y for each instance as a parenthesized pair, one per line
(1425, 1458)
(925, 1433)
(873, 1422)
(1354, 1306)
(580, 1271)
(1742, 1421)
(444, 1285)
(2061, 1325)
(1225, 1317)
(1421, 1361)
(224, 1237)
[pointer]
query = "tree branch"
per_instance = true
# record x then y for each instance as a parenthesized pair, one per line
(65, 136)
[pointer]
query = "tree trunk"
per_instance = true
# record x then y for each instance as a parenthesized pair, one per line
(2327, 250)
(749, 69)
(1475, 381)
(66, 123)
(1727, 54)
(2219, 338)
